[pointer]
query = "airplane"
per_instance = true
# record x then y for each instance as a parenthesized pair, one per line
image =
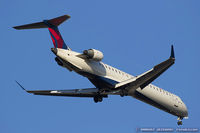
(107, 79)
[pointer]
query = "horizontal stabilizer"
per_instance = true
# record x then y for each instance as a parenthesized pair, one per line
(45, 24)
(31, 26)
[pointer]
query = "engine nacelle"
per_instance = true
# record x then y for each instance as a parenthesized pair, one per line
(93, 54)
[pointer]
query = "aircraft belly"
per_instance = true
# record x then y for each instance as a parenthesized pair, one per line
(72, 66)
(154, 100)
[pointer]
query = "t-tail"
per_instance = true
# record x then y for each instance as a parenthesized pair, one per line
(52, 25)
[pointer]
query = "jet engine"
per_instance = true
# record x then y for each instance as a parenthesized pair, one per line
(93, 54)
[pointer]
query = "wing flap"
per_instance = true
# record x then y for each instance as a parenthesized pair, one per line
(68, 94)
(88, 92)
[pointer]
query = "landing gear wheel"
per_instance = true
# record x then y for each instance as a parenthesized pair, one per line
(179, 123)
(123, 93)
(179, 120)
(98, 99)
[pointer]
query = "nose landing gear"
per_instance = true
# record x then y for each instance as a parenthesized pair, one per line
(179, 121)
(98, 98)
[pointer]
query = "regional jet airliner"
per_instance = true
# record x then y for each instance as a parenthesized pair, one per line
(107, 79)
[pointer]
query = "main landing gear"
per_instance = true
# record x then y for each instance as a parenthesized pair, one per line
(98, 98)
(179, 121)
(123, 93)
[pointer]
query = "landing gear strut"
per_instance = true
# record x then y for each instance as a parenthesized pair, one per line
(179, 121)
(98, 98)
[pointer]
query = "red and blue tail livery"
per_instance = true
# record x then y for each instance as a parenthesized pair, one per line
(52, 25)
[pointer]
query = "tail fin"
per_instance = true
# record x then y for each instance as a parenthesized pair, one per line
(52, 25)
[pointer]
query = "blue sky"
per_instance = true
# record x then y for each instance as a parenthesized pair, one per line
(134, 35)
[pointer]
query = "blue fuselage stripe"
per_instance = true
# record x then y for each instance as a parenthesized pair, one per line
(107, 80)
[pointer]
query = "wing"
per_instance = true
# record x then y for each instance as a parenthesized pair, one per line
(89, 92)
(146, 78)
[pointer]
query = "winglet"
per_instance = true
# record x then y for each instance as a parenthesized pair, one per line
(20, 85)
(172, 52)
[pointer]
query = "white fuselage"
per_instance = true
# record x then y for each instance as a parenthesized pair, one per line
(151, 94)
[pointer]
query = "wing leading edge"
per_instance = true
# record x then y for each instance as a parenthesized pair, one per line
(146, 78)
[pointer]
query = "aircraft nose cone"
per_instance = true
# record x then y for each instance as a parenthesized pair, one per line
(54, 50)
